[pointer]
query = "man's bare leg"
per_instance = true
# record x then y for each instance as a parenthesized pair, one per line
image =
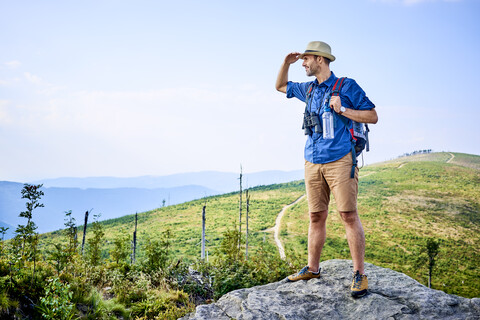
(355, 238)
(317, 233)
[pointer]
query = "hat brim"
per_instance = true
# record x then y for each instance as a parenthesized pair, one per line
(317, 53)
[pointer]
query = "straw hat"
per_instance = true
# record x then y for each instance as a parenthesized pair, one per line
(318, 48)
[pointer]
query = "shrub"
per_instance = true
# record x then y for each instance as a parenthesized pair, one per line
(56, 304)
(97, 308)
(161, 304)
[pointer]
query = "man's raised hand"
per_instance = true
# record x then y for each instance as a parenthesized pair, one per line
(292, 57)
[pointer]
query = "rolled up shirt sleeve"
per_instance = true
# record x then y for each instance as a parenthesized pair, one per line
(297, 90)
(356, 97)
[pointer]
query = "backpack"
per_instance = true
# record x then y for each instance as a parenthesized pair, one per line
(359, 131)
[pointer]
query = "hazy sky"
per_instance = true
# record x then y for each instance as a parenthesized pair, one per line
(130, 88)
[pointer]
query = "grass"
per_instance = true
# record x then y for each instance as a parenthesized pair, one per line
(185, 220)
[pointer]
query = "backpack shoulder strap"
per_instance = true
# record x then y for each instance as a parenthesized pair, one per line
(336, 92)
(338, 86)
(309, 92)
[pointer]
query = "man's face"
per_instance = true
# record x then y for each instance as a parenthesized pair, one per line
(311, 65)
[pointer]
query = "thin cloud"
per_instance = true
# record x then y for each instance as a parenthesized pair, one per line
(4, 116)
(45, 88)
(33, 78)
(13, 64)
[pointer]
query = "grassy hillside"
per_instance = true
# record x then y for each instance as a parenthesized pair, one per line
(402, 203)
(185, 220)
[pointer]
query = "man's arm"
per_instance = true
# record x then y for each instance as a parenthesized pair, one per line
(282, 78)
(364, 116)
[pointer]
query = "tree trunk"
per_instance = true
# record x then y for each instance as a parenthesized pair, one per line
(203, 233)
(240, 212)
(84, 230)
(240, 203)
(246, 236)
(134, 240)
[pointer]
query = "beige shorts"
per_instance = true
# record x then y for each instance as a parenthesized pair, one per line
(334, 176)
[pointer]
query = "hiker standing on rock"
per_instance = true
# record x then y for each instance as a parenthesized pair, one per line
(330, 157)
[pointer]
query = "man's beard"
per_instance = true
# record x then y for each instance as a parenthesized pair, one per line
(312, 70)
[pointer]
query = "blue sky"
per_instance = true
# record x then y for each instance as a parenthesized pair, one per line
(130, 88)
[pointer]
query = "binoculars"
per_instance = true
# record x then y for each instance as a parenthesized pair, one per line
(311, 120)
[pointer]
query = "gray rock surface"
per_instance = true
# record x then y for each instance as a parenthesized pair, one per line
(392, 295)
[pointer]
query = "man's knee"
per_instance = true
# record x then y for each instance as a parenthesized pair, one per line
(349, 217)
(318, 217)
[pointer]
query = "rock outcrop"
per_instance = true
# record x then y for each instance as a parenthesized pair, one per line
(392, 295)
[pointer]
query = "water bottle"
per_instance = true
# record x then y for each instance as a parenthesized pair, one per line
(327, 121)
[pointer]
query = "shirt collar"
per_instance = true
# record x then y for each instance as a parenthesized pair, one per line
(329, 82)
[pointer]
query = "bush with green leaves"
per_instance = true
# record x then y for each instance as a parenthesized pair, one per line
(94, 244)
(162, 304)
(231, 271)
(157, 253)
(71, 234)
(121, 249)
(57, 303)
(26, 234)
(96, 308)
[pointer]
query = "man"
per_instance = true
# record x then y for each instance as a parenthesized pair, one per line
(328, 162)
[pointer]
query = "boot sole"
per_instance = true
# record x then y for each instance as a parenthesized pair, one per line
(359, 294)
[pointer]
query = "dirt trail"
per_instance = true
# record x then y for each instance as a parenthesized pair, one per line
(452, 157)
(276, 229)
(401, 165)
(366, 175)
(278, 222)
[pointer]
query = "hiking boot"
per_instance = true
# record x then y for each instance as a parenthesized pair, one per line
(359, 286)
(303, 274)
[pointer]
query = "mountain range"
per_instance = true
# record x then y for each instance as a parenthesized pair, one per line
(220, 181)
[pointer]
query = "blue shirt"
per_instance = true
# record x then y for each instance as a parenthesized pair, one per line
(317, 149)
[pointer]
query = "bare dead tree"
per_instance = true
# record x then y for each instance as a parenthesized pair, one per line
(203, 232)
(134, 240)
(240, 203)
(247, 196)
(240, 211)
(85, 228)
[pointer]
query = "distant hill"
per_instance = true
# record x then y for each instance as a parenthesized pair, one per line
(11, 230)
(111, 203)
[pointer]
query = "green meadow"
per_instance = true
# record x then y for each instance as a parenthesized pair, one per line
(185, 220)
